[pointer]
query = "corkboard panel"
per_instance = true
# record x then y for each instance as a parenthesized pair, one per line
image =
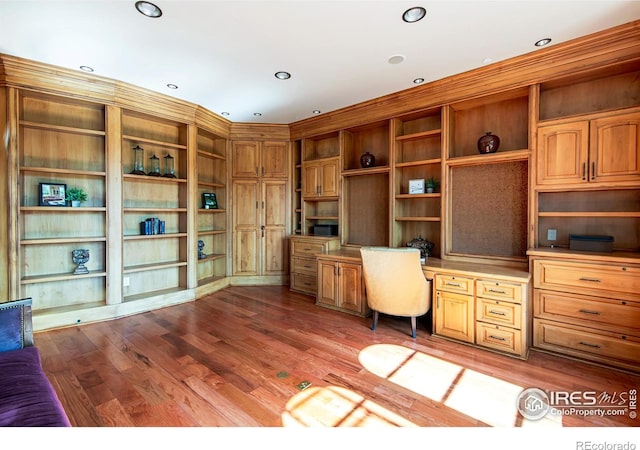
(367, 209)
(489, 209)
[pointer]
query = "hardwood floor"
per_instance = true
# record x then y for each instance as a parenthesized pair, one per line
(241, 358)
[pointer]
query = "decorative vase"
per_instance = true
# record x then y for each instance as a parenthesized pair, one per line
(80, 257)
(488, 143)
(75, 203)
(367, 160)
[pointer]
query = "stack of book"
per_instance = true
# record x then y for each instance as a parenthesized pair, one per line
(152, 225)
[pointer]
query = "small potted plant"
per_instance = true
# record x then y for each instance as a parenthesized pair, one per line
(75, 195)
(432, 185)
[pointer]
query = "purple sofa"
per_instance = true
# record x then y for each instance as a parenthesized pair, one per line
(27, 398)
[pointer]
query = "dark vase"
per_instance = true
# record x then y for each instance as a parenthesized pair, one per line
(488, 143)
(367, 160)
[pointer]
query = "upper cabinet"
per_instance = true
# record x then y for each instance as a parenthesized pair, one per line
(601, 150)
(268, 159)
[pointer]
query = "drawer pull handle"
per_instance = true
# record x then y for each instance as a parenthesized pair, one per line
(448, 283)
(587, 311)
(497, 313)
(593, 280)
(496, 291)
(587, 344)
(497, 338)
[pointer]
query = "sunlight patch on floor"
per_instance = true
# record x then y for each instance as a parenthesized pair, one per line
(333, 406)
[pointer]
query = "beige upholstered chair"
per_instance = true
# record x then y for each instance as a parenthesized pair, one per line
(395, 283)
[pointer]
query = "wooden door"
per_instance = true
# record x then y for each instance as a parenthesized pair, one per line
(274, 227)
(246, 158)
(615, 148)
(330, 174)
(454, 316)
(563, 152)
(310, 179)
(327, 293)
(351, 292)
(275, 159)
(246, 227)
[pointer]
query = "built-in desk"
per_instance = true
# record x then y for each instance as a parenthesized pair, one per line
(481, 304)
(340, 281)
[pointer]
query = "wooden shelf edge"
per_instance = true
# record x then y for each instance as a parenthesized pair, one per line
(147, 178)
(59, 209)
(211, 184)
(90, 173)
(207, 154)
(60, 277)
(211, 232)
(212, 257)
(160, 210)
(128, 137)
(492, 158)
(603, 214)
(367, 171)
(417, 219)
(432, 195)
(155, 266)
(422, 162)
(211, 211)
(419, 135)
(73, 240)
(62, 128)
(133, 237)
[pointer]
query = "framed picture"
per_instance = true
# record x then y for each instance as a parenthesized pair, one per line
(416, 186)
(209, 200)
(53, 194)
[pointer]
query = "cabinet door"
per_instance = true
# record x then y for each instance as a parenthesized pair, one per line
(246, 227)
(454, 316)
(275, 159)
(246, 158)
(310, 180)
(327, 283)
(350, 279)
(330, 174)
(274, 227)
(615, 148)
(563, 151)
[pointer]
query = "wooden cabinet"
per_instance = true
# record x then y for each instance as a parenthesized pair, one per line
(587, 307)
(260, 217)
(303, 263)
(481, 305)
(320, 178)
(340, 282)
(211, 164)
(600, 150)
(269, 159)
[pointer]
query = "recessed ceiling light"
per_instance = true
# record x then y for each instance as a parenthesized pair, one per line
(396, 59)
(86, 68)
(316, 111)
(225, 113)
(418, 80)
(172, 86)
(543, 42)
(414, 14)
(257, 114)
(148, 9)
(282, 75)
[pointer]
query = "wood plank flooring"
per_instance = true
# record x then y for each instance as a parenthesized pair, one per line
(241, 357)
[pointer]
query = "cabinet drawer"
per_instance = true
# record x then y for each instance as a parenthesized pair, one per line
(303, 283)
(454, 283)
(499, 290)
(499, 338)
(590, 279)
(306, 248)
(304, 265)
(592, 311)
(499, 312)
(583, 342)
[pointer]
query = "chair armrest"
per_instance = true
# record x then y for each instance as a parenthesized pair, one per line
(16, 326)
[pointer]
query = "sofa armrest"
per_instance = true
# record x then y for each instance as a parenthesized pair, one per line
(16, 326)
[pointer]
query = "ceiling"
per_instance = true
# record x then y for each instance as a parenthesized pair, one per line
(223, 55)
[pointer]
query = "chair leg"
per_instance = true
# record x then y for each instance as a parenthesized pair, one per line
(413, 327)
(374, 324)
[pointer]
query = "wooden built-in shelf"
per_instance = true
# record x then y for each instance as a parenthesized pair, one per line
(212, 257)
(63, 171)
(422, 162)
(141, 140)
(211, 232)
(367, 171)
(149, 209)
(148, 294)
(62, 128)
(153, 266)
(207, 154)
(322, 217)
(498, 157)
(211, 211)
(73, 240)
(153, 236)
(418, 219)
(159, 179)
(420, 135)
(59, 209)
(32, 279)
(432, 195)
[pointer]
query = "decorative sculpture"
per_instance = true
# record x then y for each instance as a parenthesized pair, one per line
(201, 254)
(80, 257)
(423, 245)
